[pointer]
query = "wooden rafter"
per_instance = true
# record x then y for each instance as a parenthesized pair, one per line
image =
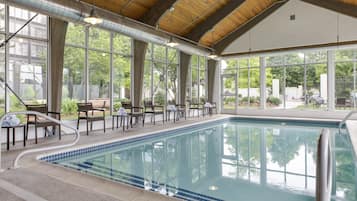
(228, 39)
(153, 16)
(337, 6)
(196, 33)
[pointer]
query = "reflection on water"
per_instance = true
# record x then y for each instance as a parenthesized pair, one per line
(231, 161)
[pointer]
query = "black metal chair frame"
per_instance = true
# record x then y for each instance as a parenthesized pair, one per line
(38, 122)
(85, 108)
(150, 108)
(181, 109)
(195, 106)
(134, 111)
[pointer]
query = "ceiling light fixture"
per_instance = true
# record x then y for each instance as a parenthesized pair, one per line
(212, 55)
(93, 18)
(171, 43)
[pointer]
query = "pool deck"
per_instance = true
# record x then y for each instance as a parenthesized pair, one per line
(40, 181)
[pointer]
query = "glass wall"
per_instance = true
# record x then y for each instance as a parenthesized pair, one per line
(160, 75)
(100, 56)
(27, 58)
(196, 81)
(293, 81)
(345, 79)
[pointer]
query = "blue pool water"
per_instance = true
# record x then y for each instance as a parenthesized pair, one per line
(233, 159)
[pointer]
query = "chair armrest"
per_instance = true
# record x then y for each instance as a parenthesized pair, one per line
(137, 107)
(58, 113)
(98, 109)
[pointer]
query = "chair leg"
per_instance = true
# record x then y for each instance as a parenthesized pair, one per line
(87, 127)
(163, 118)
(27, 131)
(45, 131)
(59, 132)
(35, 134)
(104, 125)
(77, 124)
(113, 123)
(154, 118)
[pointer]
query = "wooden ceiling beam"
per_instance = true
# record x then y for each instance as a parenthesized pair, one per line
(228, 39)
(335, 5)
(153, 16)
(200, 29)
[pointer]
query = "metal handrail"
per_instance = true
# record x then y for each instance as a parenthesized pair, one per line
(43, 148)
(345, 119)
(324, 167)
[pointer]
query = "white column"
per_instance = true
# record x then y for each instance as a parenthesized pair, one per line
(330, 80)
(262, 83)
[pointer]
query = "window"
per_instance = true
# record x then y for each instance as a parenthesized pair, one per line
(106, 61)
(160, 75)
(345, 79)
(197, 79)
(27, 74)
(99, 76)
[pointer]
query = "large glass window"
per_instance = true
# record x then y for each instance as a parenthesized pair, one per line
(27, 71)
(106, 60)
(121, 69)
(248, 72)
(160, 75)
(197, 79)
(345, 79)
(293, 81)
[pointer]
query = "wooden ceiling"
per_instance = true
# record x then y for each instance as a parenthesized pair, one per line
(209, 22)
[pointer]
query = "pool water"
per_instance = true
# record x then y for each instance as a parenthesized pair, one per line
(231, 159)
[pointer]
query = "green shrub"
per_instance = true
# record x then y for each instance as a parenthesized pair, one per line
(273, 100)
(69, 106)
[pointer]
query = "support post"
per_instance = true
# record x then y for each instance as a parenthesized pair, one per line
(184, 67)
(138, 73)
(211, 75)
(58, 29)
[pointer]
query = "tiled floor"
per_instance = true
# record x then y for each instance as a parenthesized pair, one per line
(56, 183)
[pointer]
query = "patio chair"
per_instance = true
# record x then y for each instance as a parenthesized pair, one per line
(39, 122)
(150, 108)
(194, 106)
(86, 111)
(134, 111)
(181, 110)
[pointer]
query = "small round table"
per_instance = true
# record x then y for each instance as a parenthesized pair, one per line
(13, 134)
(122, 121)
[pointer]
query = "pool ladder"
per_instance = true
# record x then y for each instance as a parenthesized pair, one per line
(43, 148)
(343, 122)
(324, 167)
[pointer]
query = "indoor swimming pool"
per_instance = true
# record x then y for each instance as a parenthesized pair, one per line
(231, 159)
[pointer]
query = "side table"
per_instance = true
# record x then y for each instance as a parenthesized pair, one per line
(13, 134)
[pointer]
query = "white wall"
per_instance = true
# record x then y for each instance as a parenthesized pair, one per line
(312, 26)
